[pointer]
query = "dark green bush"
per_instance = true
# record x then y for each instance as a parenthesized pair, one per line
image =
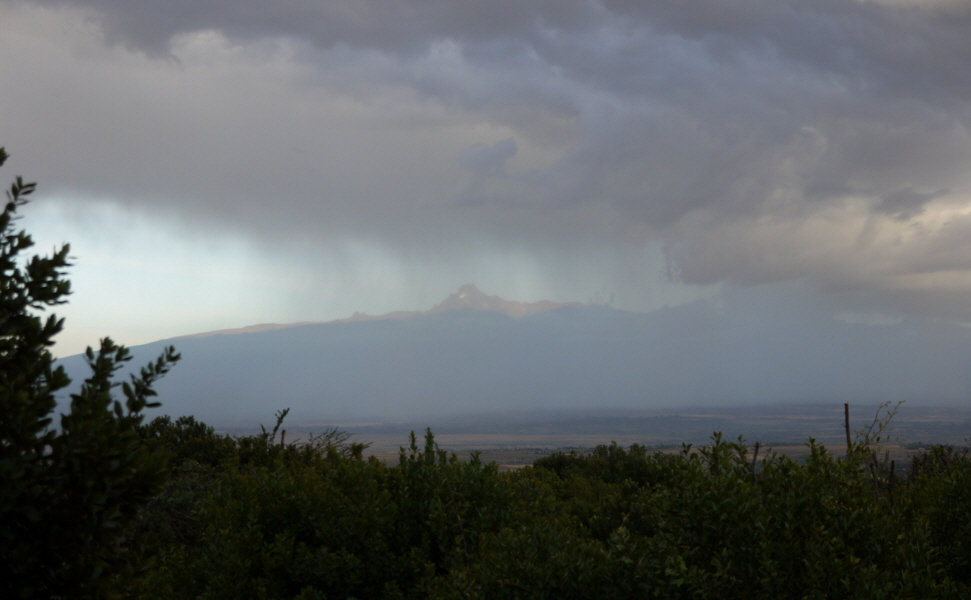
(710, 522)
(611, 464)
(938, 496)
(186, 439)
(67, 492)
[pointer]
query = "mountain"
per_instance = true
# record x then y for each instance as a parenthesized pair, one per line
(475, 353)
(468, 297)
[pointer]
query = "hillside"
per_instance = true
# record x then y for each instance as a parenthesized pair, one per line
(475, 353)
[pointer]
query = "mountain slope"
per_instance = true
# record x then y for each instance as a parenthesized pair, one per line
(468, 355)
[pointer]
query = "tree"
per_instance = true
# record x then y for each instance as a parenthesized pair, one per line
(67, 491)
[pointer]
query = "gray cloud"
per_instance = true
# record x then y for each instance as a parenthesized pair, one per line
(823, 140)
(484, 162)
(907, 203)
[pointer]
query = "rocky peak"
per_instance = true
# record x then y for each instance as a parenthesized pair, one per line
(469, 297)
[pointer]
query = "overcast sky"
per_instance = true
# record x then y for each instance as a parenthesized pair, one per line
(220, 163)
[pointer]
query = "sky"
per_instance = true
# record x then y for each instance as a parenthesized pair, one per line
(222, 163)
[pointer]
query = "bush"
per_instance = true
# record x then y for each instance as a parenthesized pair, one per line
(65, 492)
(939, 496)
(711, 522)
(186, 439)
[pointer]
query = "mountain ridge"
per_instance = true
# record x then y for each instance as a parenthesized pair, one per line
(467, 297)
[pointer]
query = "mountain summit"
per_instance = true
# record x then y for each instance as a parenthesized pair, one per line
(469, 297)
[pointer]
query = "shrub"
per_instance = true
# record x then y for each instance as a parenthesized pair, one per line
(65, 492)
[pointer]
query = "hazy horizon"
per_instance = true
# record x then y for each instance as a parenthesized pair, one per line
(468, 355)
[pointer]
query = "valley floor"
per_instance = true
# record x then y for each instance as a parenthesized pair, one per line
(515, 440)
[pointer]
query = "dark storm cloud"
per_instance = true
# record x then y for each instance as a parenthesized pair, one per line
(900, 51)
(760, 141)
(903, 49)
(724, 88)
(398, 26)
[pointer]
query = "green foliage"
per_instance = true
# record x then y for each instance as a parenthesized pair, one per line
(814, 528)
(185, 439)
(316, 522)
(67, 492)
(610, 464)
(263, 450)
(199, 458)
(938, 496)
(283, 531)
(711, 522)
(444, 503)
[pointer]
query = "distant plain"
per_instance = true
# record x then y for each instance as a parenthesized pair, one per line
(516, 439)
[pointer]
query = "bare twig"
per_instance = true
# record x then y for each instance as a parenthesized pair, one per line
(846, 419)
(893, 469)
(755, 456)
